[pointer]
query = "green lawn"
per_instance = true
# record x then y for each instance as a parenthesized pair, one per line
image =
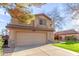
(70, 45)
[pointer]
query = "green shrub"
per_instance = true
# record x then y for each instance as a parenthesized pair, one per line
(1, 42)
(1, 46)
(70, 38)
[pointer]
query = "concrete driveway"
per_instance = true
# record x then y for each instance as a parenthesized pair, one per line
(45, 50)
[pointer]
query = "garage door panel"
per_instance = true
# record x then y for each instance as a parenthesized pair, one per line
(25, 38)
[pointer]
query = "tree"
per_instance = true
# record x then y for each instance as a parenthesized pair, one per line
(4, 32)
(74, 9)
(20, 11)
(55, 15)
(71, 10)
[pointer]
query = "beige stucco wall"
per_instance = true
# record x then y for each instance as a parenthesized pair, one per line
(50, 36)
(48, 22)
(76, 35)
(12, 37)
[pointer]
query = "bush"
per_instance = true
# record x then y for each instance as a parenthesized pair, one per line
(70, 38)
(1, 46)
(1, 42)
(57, 37)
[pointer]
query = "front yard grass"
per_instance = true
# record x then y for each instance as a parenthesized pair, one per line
(70, 45)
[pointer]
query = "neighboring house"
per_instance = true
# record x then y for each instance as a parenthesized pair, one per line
(65, 33)
(39, 32)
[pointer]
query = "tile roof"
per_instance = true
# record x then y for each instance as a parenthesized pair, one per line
(67, 32)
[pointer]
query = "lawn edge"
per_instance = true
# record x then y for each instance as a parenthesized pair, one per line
(70, 51)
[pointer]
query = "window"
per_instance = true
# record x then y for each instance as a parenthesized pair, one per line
(42, 22)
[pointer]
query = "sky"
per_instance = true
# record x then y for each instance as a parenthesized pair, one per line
(4, 19)
(69, 24)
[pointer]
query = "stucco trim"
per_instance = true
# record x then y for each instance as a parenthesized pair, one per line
(13, 26)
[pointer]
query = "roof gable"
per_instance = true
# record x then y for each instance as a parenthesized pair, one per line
(44, 16)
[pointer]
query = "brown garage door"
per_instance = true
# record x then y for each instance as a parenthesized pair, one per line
(28, 39)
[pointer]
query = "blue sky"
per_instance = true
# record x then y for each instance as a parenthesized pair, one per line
(5, 18)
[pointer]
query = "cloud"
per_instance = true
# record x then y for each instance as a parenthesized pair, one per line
(75, 22)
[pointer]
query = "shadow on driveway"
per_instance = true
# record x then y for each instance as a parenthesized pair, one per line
(17, 49)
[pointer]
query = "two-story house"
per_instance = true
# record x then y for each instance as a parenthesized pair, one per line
(38, 32)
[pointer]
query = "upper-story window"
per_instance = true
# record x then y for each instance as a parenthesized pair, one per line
(42, 22)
